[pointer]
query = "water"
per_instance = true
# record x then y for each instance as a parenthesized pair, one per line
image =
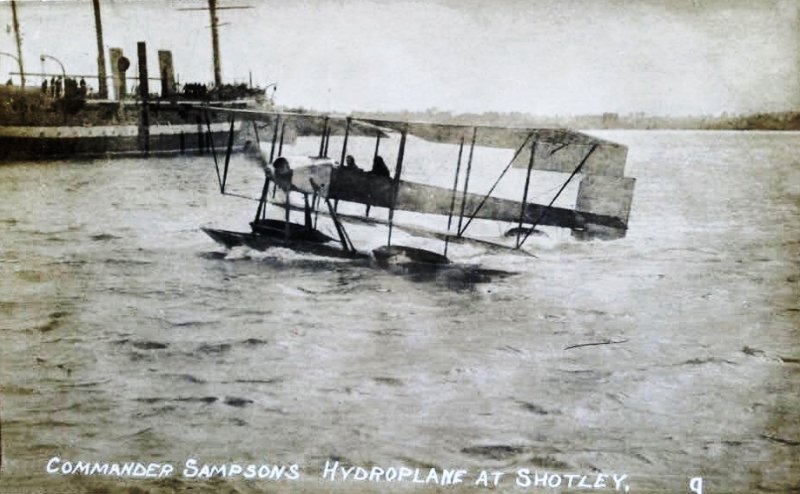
(128, 335)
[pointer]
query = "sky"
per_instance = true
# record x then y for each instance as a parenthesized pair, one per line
(544, 57)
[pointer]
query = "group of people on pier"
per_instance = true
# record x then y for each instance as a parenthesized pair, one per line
(69, 87)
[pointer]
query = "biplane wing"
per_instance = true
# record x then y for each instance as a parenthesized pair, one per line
(295, 124)
(557, 150)
(365, 188)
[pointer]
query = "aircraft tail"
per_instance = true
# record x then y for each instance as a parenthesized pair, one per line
(605, 195)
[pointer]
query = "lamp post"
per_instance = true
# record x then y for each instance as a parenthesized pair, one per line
(63, 72)
(10, 55)
(274, 87)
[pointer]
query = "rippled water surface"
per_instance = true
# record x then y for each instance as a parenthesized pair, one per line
(127, 334)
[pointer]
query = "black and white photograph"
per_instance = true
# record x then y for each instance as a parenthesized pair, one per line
(399, 246)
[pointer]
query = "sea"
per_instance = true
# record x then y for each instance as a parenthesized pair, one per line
(640, 364)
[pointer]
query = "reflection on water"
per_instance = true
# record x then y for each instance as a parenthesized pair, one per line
(128, 335)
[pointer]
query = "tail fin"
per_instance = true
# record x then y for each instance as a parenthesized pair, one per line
(606, 195)
(604, 189)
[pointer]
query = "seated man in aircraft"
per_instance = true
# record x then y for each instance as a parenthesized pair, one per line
(350, 163)
(379, 168)
(281, 165)
(282, 173)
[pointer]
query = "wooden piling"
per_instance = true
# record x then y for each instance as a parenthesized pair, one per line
(144, 95)
(167, 73)
(102, 90)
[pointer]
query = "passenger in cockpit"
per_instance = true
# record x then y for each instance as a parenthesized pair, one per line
(379, 168)
(350, 163)
(282, 173)
(281, 165)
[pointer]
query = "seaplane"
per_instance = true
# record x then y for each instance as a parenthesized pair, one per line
(319, 183)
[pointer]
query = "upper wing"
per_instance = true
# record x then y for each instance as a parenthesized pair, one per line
(297, 123)
(559, 150)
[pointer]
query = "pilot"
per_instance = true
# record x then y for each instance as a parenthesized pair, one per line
(281, 166)
(282, 173)
(379, 168)
(350, 163)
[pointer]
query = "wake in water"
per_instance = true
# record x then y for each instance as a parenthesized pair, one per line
(455, 276)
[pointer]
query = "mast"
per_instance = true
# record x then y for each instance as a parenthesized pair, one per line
(102, 90)
(212, 9)
(19, 41)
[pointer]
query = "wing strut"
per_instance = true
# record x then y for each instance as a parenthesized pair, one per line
(315, 205)
(453, 196)
(272, 149)
(344, 144)
(525, 191)
(343, 238)
(307, 212)
(261, 212)
(280, 144)
(286, 224)
(327, 141)
(323, 138)
(214, 152)
(544, 212)
(228, 154)
(274, 138)
(398, 170)
(483, 201)
(377, 145)
(466, 181)
(347, 245)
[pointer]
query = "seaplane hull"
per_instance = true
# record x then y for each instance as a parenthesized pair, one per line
(399, 255)
(262, 242)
